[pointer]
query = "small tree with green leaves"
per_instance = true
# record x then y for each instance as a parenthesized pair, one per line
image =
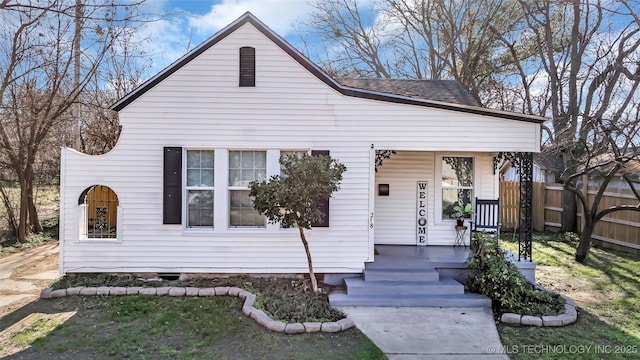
(291, 198)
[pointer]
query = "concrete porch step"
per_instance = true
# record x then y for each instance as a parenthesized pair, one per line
(358, 286)
(390, 274)
(394, 262)
(447, 300)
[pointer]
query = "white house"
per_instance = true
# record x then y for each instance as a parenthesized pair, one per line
(172, 196)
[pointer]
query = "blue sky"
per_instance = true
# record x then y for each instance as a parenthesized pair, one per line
(193, 21)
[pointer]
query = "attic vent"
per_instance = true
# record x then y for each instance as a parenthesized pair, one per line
(247, 66)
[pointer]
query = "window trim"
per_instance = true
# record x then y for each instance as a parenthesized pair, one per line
(438, 219)
(230, 188)
(185, 191)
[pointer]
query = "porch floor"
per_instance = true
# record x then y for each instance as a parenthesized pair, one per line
(433, 256)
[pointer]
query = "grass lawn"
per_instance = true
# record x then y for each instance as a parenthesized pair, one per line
(139, 327)
(607, 291)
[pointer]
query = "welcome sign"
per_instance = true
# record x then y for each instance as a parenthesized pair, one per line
(421, 213)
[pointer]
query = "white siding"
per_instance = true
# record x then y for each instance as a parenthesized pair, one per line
(202, 106)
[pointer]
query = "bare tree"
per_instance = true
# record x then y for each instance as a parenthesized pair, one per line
(37, 89)
(416, 39)
(611, 149)
(588, 58)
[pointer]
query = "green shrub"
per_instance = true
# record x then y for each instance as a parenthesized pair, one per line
(492, 275)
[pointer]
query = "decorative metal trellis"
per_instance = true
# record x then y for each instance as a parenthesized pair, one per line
(523, 161)
(382, 155)
(99, 217)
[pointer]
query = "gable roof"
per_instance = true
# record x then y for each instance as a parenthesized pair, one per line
(450, 91)
(316, 71)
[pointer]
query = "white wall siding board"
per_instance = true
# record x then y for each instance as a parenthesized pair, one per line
(395, 215)
(202, 106)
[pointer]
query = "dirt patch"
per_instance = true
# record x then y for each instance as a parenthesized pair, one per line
(47, 263)
(579, 288)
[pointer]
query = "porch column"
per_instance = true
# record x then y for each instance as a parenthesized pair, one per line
(526, 205)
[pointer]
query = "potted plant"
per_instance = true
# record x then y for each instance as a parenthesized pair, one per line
(459, 213)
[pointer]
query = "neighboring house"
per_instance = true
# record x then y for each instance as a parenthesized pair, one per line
(543, 170)
(172, 196)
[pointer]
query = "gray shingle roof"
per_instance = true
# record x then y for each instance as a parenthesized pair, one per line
(449, 91)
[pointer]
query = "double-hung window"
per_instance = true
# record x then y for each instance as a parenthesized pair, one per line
(200, 188)
(244, 167)
(457, 183)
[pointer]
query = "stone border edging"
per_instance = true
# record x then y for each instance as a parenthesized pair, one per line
(248, 309)
(569, 316)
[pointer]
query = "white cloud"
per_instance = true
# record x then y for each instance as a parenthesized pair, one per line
(279, 15)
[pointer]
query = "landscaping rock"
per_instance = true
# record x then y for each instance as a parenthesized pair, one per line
(551, 321)
(569, 301)
(234, 291)
(247, 310)
(567, 319)
(46, 293)
(221, 290)
(103, 290)
(570, 310)
(531, 320)
(250, 300)
(277, 326)
(88, 291)
(295, 328)
(511, 318)
(134, 290)
(163, 291)
(177, 291)
(207, 292)
(262, 319)
(312, 326)
(345, 324)
(256, 313)
(74, 290)
(148, 291)
(330, 327)
(191, 291)
(115, 291)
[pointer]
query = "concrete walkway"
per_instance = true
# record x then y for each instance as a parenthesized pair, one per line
(410, 333)
(17, 291)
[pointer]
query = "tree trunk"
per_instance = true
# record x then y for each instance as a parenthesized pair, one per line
(314, 282)
(33, 212)
(23, 220)
(569, 211)
(585, 242)
(11, 215)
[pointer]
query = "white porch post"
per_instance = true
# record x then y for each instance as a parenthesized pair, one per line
(372, 195)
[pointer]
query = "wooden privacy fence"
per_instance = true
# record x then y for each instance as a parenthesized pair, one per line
(620, 228)
(510, 205)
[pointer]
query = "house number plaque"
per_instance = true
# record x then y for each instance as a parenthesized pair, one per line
(421, 213)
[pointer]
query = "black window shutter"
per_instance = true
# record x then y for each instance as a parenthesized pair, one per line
(323, 204)
(247, 66)
(172, 191)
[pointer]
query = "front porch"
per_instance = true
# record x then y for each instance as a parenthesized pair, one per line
(424, 276)
(421, 276)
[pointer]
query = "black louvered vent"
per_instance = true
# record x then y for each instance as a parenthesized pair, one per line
(247, 66)
(172, 189)
(323, 204)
